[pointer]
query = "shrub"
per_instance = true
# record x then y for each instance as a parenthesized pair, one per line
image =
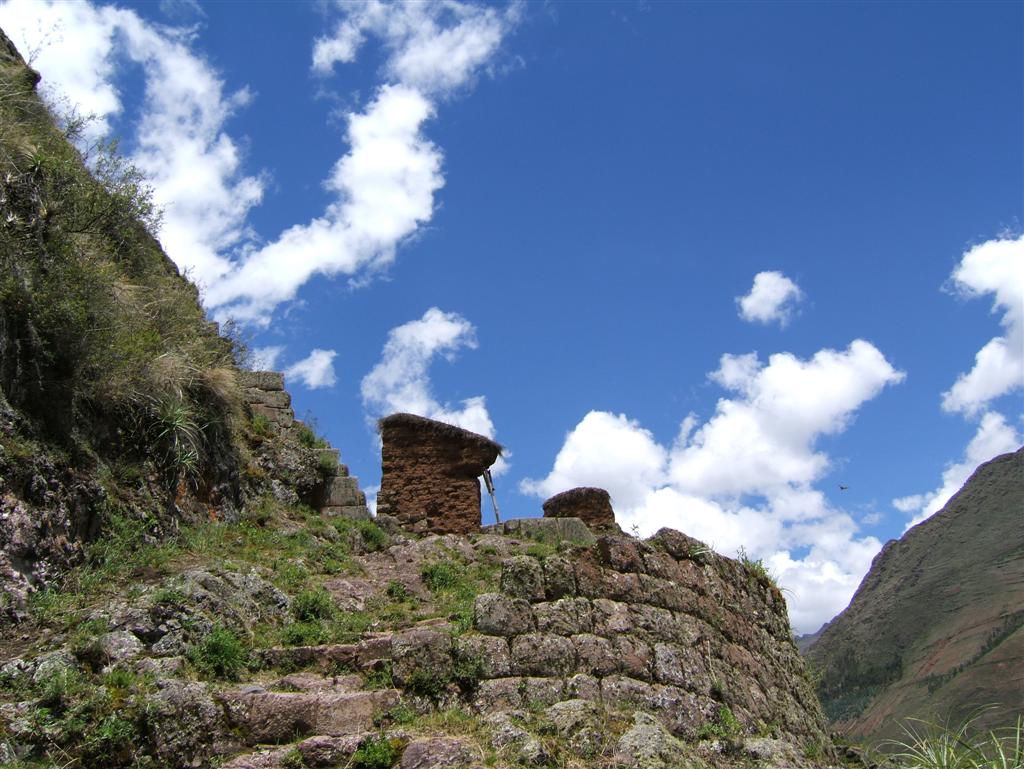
(221, 654)
(441, 576)
(397, 591)
(304, 634)
(313, 605)
(375, 752)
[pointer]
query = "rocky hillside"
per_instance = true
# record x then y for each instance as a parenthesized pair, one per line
(936, 629)
(189, 578)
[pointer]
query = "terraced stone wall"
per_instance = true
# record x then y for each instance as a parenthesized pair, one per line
(661, 626)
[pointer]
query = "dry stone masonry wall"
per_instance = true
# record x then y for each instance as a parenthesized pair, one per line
(661, 627)
(267, 398)
(430, 474)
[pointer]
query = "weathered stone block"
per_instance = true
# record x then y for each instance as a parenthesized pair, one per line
(592, 506)
(567, 616)
(583, 687)
(541, 691)
(262, 380)
(635, 657)
(589, 579)
(656, 623)
(492, 652)
(430, 474)
(542, 654)
(497, 614)
(678, 545)
(624, 587)
(620, 553)
(595, 655)
(499, 694)
(522, 577)
(559, 577)
(611, 618)
(622, 690)
(421, 650)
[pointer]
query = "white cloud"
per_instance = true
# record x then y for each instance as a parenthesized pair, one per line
(433, 46)
(315, 370)
(180, 141)
(385, 184)
(265, 358)
(994, 267)
(383, 187)
(993, 437)
(70, 44)
(763, 440)
(608, 451)
(400, 382)
(744, 478)
(772, 299)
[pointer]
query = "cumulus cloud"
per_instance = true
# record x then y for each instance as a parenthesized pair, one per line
(995, 267)
(180, 141)
(265, 358)
(382, 188)
(744, 478)
(401, 380)
(385, 189)
(772, 299)
(993, 437)
(316, 370)
(434, 46)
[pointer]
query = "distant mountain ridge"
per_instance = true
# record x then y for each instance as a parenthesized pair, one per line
(936, 629)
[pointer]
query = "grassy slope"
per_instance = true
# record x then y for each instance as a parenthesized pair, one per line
(935, 629)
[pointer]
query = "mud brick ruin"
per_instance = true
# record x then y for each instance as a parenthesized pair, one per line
(592, 506)
(430, 474)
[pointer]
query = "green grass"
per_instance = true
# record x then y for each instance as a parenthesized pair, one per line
(375, 752)
(931, 745)
(221, 654)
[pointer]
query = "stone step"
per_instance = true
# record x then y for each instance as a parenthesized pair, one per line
(352, 512)
(344, 491)
(277, 717)
(282, 418)
(319, 751)
(314, 682)
(363, 655)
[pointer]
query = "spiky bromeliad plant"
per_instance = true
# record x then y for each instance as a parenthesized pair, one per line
(930, 745)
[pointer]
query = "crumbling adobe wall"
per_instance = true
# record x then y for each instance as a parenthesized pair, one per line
(591, 505)
(430, 474)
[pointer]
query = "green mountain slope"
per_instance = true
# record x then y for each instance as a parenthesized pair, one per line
(936, 629)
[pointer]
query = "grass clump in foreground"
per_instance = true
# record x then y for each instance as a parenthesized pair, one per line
(929, 745)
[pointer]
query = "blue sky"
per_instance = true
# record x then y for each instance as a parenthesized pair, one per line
(716, 258)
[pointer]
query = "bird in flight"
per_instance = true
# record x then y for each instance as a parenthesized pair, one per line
(842, 487)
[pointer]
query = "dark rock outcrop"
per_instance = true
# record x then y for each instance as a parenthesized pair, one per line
(430, 474)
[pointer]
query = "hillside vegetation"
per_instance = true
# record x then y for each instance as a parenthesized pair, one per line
(936, 629)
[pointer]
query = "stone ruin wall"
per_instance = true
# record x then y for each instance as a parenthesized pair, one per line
(266, 396)
(430, 474)
(649, 626)
(591, 505)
